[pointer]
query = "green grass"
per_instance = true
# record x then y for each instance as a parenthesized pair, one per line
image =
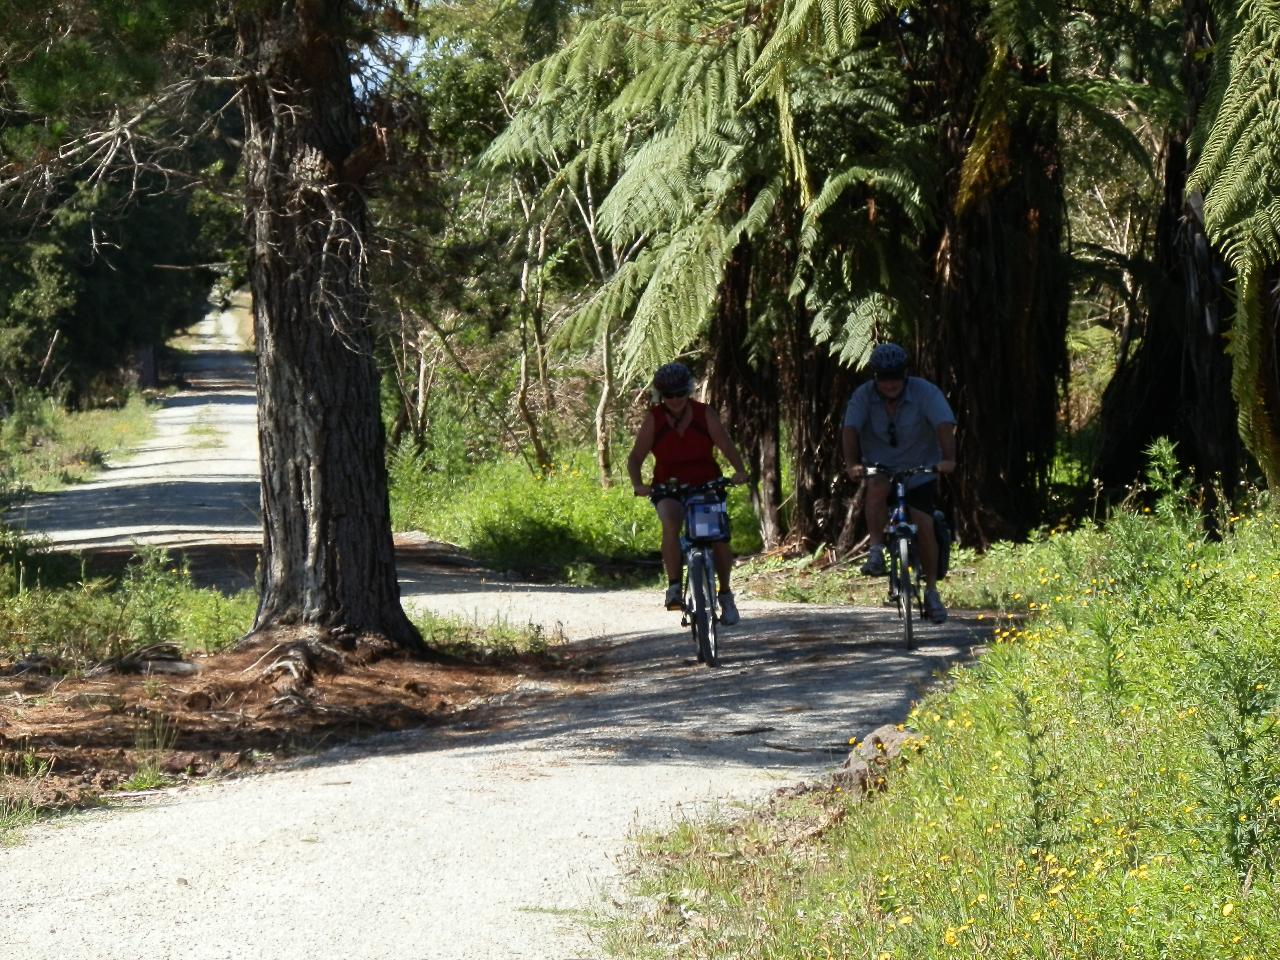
(563, 525)
(43, 447)
(1104, 782)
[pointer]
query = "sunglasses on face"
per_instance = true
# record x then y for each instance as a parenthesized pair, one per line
(890, 377)
(675, 396)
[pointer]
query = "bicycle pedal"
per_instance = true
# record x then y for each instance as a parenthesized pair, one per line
(684, 621)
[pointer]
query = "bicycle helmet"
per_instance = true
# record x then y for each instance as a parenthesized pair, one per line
(888, 360)
(673, 379)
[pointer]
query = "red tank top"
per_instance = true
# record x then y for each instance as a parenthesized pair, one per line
(686, 458)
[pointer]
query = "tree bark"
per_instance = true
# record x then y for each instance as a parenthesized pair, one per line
(328, 559)
(604, 458)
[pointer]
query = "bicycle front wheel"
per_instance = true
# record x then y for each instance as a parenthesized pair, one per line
(702, 586)
(907, 586)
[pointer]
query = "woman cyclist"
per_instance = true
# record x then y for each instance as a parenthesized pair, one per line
(682, 434)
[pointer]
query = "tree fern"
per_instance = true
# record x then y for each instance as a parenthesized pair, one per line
(1238, 172)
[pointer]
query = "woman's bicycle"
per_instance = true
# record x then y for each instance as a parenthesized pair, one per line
(901, 541)
(706, 522)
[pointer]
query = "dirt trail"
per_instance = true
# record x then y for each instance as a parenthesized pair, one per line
(491, 839)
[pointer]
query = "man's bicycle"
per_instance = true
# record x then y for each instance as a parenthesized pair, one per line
(901, 542)
(706, 522)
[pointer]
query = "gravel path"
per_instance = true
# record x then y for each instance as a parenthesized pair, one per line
(498, 839)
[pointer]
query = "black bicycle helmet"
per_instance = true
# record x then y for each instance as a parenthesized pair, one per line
(888, 359)
(673, 378)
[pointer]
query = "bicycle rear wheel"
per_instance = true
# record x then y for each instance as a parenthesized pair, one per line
(907, 577)
(702, 586)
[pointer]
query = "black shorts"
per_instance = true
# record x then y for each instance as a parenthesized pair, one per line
(924, 497)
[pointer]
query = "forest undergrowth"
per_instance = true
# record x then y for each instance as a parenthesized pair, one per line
(1103, 781)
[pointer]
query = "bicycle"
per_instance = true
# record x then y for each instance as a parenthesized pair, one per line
(706, 522)
(906, 589)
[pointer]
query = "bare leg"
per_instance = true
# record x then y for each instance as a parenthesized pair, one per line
(724, 565)
(876, 508)
(928, 541)
(671, 513)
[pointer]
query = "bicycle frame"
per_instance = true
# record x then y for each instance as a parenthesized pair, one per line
(699, 570)
(901, 540)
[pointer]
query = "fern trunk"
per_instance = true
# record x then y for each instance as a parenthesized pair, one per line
(743, 385)
(996, 342)
(1178, 384)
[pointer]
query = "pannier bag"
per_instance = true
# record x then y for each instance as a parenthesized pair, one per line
(706, 519)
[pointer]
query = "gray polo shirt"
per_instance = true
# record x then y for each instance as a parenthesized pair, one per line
(921, 410)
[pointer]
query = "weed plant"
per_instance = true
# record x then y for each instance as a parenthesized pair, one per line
(21, 773)
(1103, 782)
(74, 625)
(474, 641)
(564, 524)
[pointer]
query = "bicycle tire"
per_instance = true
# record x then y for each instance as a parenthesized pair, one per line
(703, 615)
(712, 653)
(907, 575)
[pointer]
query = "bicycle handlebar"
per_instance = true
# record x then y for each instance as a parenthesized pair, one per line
(881, 470)
(682, 490)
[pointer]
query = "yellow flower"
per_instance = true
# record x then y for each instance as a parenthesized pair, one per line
(1228, 909)
(906, 920)
(950, 938)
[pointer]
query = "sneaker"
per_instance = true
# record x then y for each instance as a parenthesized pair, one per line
(874, 567)
(728, 610)
(933, 607)
(674, 600)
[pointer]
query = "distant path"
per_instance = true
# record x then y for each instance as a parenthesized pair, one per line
(194, 481)
(492, 840)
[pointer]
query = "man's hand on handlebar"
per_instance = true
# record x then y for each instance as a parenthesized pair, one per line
(946, 466)
(641, 489)
(739, 478)
(856, 471)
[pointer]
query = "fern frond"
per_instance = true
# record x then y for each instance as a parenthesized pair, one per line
(678, 298)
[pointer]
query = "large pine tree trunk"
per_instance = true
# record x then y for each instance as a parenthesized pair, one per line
(328, 562)
(1178, 383)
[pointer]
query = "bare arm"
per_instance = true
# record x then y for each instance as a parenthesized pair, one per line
(851, 445)
(720, 437)
(639, 450)
(947, 440)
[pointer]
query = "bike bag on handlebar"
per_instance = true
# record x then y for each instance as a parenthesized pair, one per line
(706, 518)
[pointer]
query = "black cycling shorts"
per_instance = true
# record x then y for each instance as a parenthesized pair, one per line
(924, 497)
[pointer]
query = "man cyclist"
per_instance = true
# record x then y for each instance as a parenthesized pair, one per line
(900, 422)
(682, 434)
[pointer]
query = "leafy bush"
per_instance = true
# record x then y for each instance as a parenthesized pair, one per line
(1104, 782)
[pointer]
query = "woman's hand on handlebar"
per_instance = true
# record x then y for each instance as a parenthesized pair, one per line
(740, 478)
(641, 489)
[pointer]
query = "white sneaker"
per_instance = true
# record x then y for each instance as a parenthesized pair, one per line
(728, 610)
